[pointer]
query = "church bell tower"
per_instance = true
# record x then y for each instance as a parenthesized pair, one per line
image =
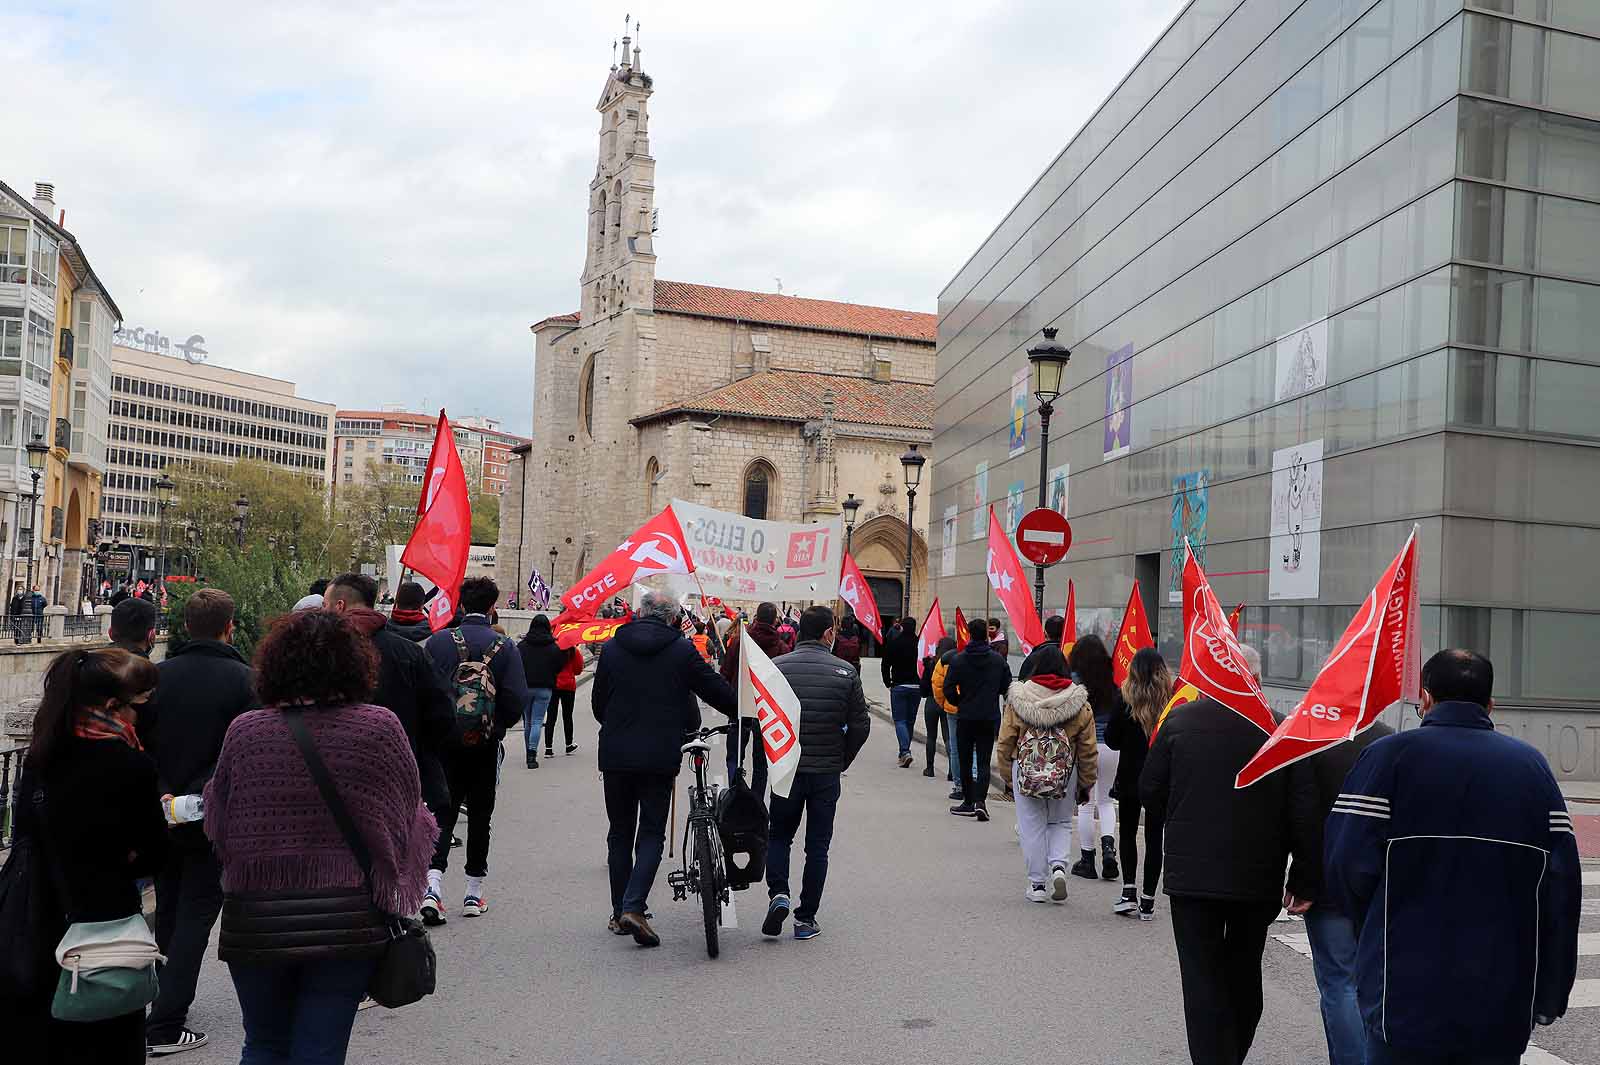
(620, 268)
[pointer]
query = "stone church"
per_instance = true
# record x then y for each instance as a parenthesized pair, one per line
(769, 405)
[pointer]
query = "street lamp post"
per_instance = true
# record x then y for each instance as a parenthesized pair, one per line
(241, 511)
(912, 463)
(38, 452)
(1049, 361)
(851, 504)
(164, 489)
(553, 553)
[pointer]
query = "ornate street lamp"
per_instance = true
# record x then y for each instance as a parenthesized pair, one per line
(912, 463)
(1049, 360)
(38, 453)
(851, 504)
(165, 486)
(553, 553)
(241, 512)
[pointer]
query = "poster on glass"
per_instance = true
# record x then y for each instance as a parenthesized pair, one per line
(1295, 561)
(980, 501)
(947, 548)
(1057, 496)
(1119, 403)
(1014, 507)
(1301, 359)
(1017, 436)
(1190, 510)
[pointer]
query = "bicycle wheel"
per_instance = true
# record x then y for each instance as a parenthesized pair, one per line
(709, 876)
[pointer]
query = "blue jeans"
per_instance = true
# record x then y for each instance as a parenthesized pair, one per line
(299, 1013)
(904, 699)
(533, 716)
(816, 795)
(1333, 958)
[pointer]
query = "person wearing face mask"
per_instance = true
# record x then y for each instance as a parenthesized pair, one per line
(833, 728)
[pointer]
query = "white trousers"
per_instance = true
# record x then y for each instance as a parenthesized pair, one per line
(1100, 801)
(1045, 828)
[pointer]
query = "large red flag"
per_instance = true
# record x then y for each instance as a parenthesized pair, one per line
(930, 634)
(853, 589)
(443, 534)
(1069, 630)
(1133, 637)
(657, 546)
(1212, 659)
(1373, 666)
(1005, 576)
(961, 629)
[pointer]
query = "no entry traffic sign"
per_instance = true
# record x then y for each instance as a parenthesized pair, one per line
(1043, 537)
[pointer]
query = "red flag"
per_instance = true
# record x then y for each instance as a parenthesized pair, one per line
(443, 534)
(1371, 667)
(1236, 619)
(1133, 637)
(1069, 630)
(657, 546)
(961, 629)
(1005, 576)
(1212, 659)
(930, 634)
(854, 590)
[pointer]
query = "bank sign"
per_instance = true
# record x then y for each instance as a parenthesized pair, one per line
(156, 343)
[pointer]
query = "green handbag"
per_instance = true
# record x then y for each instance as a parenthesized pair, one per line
(108, 969)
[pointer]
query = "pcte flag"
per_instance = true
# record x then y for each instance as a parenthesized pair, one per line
(442, 537)
(930, 634)
(1133, 637)
(764, 694)
(657, 546)
(853, 589)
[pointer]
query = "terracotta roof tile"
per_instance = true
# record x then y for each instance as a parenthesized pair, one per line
(795, 395)
(676, 297)
(570, 318)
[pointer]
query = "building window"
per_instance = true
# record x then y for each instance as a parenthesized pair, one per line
(758, 481)
(586, 396)
(652, 474)
(14, 253)
(43, 254)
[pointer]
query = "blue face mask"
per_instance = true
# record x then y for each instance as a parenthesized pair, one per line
(1075, 678)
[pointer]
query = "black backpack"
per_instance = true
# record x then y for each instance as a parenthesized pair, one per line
(32, 915)
(742, 823)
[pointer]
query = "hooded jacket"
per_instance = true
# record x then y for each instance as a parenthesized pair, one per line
(542, 657)
(412, 689)
(644, 697)
(976, 681)
(1032, 705)
(410, 624)
(899, 662)
(833, 709)
(205, 684)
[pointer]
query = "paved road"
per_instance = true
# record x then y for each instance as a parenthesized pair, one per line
(929, 954)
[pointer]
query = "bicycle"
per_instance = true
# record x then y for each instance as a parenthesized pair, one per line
(704, 872)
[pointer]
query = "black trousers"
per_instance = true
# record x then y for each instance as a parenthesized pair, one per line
(561, 700)
(188, 899)
(470, 774)
(1219, 960)
(976, 737)
(1128, 810)
(932, 715)
(636, 807)
(756, 763)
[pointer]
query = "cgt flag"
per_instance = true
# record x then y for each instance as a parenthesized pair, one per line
(854, 590)
(961, 629)
(572, 629)
(1212, 660)
(765, 695)
(443, 534)
(657, 546)
(1373, 666)
(1133, 637)
(1004, 570)
(930, 634)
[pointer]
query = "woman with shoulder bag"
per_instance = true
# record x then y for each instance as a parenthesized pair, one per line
(90, 809)
(311, 886)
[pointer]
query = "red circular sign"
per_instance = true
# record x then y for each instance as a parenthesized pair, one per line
(1043, 537)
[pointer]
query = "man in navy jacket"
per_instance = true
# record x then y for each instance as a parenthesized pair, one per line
(1453, 850)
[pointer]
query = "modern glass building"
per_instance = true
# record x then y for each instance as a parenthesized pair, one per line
(1328, 269)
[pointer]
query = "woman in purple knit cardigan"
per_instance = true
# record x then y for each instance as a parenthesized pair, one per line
(302, 927)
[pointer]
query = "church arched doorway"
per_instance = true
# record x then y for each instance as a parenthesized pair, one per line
(879, 548)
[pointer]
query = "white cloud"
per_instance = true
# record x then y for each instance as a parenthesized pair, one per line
(374, 200)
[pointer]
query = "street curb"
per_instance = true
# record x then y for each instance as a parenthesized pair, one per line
(879, 711)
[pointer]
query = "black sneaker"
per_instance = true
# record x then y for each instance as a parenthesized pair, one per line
(777, 913)
(1128, 904)
(548, 753)
(572, 748)
(533, 760)
(956, 794)
(1084, 866)
(965, 809)
(1109, 869)
(928, 772)
(1147, 908)
(981, 812)
(186, 1039)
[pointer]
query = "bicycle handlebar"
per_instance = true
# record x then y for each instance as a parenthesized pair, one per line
(709, 731)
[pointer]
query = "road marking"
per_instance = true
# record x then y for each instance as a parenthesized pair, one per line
(1591, 907)
(1534, 1056)
(1591, 876)
(1299, 943)
(1589, 943)
(1584, 993)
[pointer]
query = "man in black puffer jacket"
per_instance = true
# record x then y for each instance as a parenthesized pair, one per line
(644, 698)
(833, 728)
(900, 675)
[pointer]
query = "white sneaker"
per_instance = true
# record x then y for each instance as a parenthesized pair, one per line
(187, 1039)
(1058, 883)
(1036, 893)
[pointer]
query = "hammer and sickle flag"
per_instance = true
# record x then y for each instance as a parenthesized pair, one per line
(657, 546)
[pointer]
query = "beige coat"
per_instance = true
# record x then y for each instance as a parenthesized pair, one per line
(1029, 704)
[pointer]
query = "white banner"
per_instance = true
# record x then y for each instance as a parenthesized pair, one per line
(743, 558)
(765, 695)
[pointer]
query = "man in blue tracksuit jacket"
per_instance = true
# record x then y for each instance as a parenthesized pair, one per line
(1453, 850)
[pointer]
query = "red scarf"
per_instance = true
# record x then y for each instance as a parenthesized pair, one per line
(1051, 681)
(92, 723)
(402, 616)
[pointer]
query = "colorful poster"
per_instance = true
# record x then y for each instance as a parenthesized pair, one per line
(1302, 360)
(1018, 442)
(1190, 499)
(1058, 488)
(1119, 402)
(980, 500)
(1295, 562)
(947, 552)
(1014, 510)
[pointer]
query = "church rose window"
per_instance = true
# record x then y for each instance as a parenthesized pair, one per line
(757, 484)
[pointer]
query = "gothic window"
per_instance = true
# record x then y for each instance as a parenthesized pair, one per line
(758, 481)
(652, 474)
(603, 210)
(586, 396)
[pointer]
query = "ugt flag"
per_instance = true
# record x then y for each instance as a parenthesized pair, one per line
(657, 546)
(853, 589)
(765, 695)
(1004, 570)
(443, 534)
(1133, 637)
(930, 634)
(1212, 660)
(1373, 666)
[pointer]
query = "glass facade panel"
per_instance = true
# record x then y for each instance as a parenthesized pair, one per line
(1531, 64)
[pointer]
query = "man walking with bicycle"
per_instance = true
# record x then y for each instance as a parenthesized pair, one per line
(833, 728)
(644, 698)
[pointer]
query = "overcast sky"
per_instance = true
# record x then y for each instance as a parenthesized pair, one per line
(375, 200)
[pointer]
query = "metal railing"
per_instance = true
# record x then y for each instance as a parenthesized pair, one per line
(21, 628)
(79, 626)
(10, 771)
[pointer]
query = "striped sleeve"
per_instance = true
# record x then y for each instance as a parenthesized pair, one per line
(1362, 805)
(1357, 832)
(1561, 821)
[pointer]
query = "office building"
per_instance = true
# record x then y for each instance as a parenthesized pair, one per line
(1328, 269)
(370, 444)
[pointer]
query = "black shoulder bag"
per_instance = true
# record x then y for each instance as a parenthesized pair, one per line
(407, 970)
(33, 901)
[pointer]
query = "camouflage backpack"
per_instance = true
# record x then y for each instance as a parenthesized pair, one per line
(474, 692)
(1044, 762)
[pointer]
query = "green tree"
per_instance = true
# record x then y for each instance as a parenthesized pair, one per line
(265, 584)
(485, 516)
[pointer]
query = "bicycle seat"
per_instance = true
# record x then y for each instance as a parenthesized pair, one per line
(695, 745)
